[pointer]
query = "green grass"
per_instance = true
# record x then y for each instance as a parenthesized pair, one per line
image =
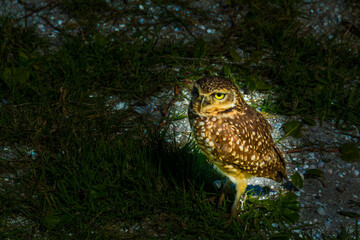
(100, 174)
(96, 189)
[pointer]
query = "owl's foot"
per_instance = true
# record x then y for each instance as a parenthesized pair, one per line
(234, 215)
(236, 209)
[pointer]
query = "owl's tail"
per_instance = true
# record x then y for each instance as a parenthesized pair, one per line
(282, 173)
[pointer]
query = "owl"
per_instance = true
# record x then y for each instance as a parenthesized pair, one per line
(235, 137)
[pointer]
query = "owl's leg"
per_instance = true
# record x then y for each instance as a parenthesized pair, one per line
(224, 191)
(240, 197)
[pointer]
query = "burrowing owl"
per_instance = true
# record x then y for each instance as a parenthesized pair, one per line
(235, 137)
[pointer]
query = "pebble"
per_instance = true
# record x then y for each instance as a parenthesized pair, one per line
(275, 225)
(297, 231)
(356, 173)
(178, 103)
(121, 106)
(217, 184)
(329, 171)
(320, 164)
(305, 166)
(176, 129)
(298, 169)
(321, 211)
(328, 224)
(312, 155)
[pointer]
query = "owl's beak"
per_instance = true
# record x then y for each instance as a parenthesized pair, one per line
(203, 103)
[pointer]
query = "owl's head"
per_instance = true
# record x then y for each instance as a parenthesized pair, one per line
(212, 95)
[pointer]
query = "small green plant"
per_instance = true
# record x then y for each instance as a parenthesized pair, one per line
(350, 152)
(292, 128)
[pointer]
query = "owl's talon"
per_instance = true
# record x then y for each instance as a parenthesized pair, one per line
(229, 221)
(230, 217)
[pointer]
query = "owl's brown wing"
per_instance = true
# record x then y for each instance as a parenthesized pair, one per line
(247, 144)
(280, 160)
(279, 155)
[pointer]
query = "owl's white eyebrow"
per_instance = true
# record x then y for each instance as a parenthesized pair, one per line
(221, 92)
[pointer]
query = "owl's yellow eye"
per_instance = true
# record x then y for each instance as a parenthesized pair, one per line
(219, 96)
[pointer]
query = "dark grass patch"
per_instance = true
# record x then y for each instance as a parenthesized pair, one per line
(102, 188)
